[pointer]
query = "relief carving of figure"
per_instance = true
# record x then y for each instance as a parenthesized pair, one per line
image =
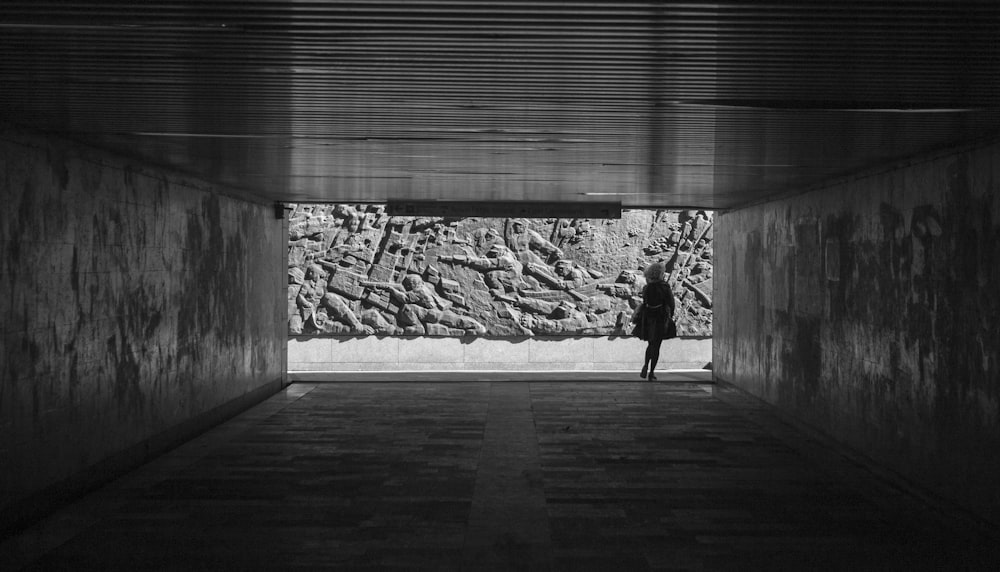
(354, 270)
(571, 274)
(323, 310)
(415, 291)
(628, 286)
(502, 271)
(422, 307)
(526, 243)
(565, 317)
(311, 292)
(484, 238)
(338, 309)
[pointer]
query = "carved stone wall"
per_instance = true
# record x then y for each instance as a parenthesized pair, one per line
(354, 270)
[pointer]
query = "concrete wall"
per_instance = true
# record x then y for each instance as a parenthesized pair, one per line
(400, 353)
(869, 309)
(136, 307)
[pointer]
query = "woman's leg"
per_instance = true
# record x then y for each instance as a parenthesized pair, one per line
(653, 354)
(645, 364)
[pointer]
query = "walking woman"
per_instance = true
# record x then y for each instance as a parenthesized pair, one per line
(658, 316)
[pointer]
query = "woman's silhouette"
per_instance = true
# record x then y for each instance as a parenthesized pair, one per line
(658, 309)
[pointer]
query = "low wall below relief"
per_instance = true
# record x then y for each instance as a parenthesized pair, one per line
(356, 271)
(536, 353)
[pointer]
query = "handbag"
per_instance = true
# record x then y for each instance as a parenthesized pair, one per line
(639, 321)
(638, 313)
(671, 331)
(670, 327)
(639, 330)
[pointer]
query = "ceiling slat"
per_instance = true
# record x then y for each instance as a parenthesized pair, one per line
(705, 104)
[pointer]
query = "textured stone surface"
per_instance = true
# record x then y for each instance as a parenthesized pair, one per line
(870, 309)
(132, 301)
(355, 270)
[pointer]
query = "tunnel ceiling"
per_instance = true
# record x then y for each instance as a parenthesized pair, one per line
(704, 104)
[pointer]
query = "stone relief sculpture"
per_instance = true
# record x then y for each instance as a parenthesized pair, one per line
(354, 270)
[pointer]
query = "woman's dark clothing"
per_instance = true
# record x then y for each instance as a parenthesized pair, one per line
(658, 304)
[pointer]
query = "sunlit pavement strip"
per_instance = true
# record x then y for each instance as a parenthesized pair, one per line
(685, 375)
(508, 523)
(546, 475)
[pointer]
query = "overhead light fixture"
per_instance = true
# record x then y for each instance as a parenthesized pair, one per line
(138, 27)
(503, 209)
(280, 209)
(613, 194)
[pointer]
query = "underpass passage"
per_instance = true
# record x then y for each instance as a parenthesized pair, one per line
(513, 475)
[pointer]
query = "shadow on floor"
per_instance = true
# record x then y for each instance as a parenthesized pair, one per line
(475, 475)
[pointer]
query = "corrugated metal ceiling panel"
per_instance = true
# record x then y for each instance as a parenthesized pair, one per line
(703, 104)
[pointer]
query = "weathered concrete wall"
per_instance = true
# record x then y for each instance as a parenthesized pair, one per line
(134, 305)
(355, 270)
(870, 310)
(477, 353)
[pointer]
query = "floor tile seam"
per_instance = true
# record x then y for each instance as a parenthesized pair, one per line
(83, 513)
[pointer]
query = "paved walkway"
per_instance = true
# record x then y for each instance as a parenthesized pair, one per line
(484, 475)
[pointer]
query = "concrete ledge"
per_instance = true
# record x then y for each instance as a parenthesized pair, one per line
(702, 376)
(372, 353)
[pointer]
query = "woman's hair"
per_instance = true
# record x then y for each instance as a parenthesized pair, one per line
(654, 272)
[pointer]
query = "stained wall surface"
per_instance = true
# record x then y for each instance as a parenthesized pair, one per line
(134, 302)
(870, 310)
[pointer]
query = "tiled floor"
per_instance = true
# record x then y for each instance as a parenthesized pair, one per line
(515, 475)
